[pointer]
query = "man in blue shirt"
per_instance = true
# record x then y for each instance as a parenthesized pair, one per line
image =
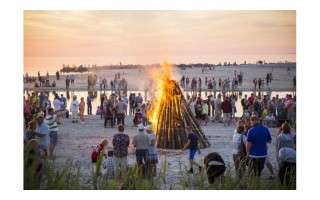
(193, 148)
(41, 97)
(64, 100)
(89, 99)
(258, 137)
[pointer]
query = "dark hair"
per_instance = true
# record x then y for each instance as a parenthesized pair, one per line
(50, 109)
(240, 129)
(110, 153)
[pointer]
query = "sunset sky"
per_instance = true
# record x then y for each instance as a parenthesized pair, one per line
(155, 33)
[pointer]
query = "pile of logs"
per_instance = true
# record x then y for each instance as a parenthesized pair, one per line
(173, 116)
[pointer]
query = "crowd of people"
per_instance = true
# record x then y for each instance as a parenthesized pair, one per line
(250, 153)
(271, 111)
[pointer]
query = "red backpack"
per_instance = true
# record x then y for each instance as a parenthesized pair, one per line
(96, 153)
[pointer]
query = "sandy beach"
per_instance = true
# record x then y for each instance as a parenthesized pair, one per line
(138, 79)
(76, 141)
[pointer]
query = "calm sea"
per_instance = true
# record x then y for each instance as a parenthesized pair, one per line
(51, 64)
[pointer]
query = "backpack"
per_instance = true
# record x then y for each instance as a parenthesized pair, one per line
(96, 153)
(242, 149)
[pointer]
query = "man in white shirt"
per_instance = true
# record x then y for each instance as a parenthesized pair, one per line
(57, 108)
(74, 106)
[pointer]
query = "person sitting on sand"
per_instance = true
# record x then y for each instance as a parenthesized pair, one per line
(215, 168)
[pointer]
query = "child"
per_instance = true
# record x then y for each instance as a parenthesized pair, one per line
(246, 114)
(109, 165)
(99, 111)
(264, 115)
(99, 150)
(137, 118)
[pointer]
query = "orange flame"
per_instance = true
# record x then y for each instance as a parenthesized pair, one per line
(160, 78)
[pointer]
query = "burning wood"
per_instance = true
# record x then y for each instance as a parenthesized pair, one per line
(170, 115)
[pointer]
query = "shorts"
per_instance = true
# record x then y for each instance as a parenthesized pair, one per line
(267, 160)
(152, 159)
(226, 116)
(192, 152)
(53, 137)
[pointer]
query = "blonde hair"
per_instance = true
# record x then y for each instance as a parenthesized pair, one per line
(32, 145)
(104, 141)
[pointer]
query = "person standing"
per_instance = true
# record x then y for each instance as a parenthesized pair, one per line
(121, 107)
(285, 139)
(256, 146)
(141, 143)
(67, 82)
(50, 120)
(57, 107)
(192, 144)
(217, 109)
(239, 160)
(82, 106)
(74, 108)
(89, 104)
(72, 77)
(41, 135)
(152, 152)
(120, 143)
(226, 107)
(139, 100)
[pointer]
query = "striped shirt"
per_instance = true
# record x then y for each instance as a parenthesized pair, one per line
(51, 122)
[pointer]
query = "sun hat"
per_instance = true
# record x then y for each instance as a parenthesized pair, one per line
(140, 127)
(149, 128)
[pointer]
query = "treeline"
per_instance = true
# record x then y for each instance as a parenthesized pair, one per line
(81, 68)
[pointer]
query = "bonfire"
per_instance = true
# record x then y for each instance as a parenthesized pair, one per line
(170, 113)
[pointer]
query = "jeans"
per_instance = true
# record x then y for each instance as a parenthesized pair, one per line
(120, 118)
(256, 165)
(141, 156)
(89, 109)
(107, 119)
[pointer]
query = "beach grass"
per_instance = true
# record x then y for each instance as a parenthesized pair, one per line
(69, 178)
